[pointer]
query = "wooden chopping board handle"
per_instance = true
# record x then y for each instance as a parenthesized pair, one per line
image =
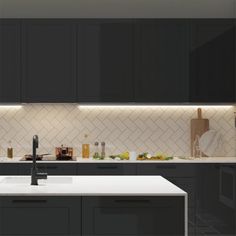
(199, 113)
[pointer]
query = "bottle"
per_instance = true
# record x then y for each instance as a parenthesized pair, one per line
(196, 148)
(10, 150)
(103, 154)
(96, 154)
(85, 147)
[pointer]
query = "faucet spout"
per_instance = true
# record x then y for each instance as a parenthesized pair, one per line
(35, 175)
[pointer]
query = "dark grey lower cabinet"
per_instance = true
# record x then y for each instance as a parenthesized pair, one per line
(40, 216)
(183, 176)
(146, 216)
(92, 216)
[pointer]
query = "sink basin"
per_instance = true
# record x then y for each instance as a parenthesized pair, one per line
(27, 180)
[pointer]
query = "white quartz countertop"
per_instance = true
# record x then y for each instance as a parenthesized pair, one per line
(89, 186)
(91, 160)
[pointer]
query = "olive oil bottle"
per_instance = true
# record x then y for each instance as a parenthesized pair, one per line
(85, 147)
(9, 150)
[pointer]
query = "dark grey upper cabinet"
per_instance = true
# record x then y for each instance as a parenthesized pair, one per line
(212, 61)
(162, 61)
(118, 60)
(105, 61)
(10, 65)
(49, 52)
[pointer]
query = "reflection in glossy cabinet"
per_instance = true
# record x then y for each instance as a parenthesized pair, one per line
(212, 61)
(216, 200)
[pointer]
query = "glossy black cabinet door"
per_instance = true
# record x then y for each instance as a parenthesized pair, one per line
(133, 216)
(10, 64)
(212, 61)
(40, 216)
(105, 61)
(162, 61)
(216, 200)
(49, 53)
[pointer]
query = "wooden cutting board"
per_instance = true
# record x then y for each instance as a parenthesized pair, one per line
(198, 127)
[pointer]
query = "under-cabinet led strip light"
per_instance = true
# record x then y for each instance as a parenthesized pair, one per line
(10, 106)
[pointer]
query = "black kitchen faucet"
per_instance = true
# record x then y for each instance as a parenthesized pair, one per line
(35, 175)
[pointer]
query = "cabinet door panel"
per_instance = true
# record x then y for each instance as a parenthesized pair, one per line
(161, 60)
(212, 61)
(105, 61)
(25, 220)
(40, 216)
(133, 216)
(49, 73)
(10, 66)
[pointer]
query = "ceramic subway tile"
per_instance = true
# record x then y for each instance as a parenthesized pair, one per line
(146, 129)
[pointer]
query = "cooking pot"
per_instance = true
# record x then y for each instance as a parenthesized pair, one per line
(64, 153)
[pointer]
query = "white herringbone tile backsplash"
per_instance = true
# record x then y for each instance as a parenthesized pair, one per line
(151, 129)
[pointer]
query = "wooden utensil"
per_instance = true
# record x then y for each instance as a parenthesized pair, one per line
(198, 127)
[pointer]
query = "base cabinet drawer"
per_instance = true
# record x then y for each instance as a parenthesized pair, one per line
(40, 216)
(106, 169)
(166, 170)
(50, 168)
(125, 216)
(9, 169)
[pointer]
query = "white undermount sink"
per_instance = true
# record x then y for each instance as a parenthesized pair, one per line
(27, 180)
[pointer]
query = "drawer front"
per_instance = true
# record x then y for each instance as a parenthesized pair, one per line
(133, 216)
(9, 169)
(166, 170)
(106, 169)
(50, 168)
(24, 221)
(40, 216)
